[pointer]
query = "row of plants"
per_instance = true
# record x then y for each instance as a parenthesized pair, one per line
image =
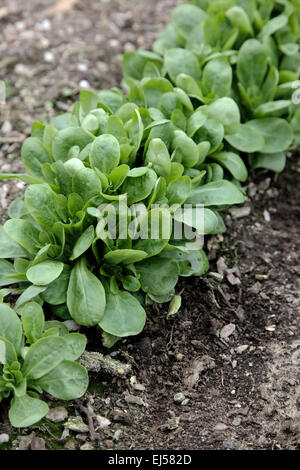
(212, 96)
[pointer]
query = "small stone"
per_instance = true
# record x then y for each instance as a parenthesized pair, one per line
(267, 216)
(4, 438)
(57, 415)
(237, 421)
(6, 127)
(185, 402)
(227, 331)
(133, 400)
(239, 212)
(179, 397)
(82, 67)
(103, 422)
(173, 423)
(87, 446)
(117, 435)
(220, 427)
(179, 356)
(242, 348)
(70, 445)
(84, 84)
(139, 387)
(38, 443)
(109, 444)
(25, 441)
(48, 57)
(122, 417)
(228, 444)
(76, 424)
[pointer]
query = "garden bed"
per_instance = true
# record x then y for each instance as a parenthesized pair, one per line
(232, 348)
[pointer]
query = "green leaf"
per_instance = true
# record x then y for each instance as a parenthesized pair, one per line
(186, 151)
(154, 231)
(43, 356)
(179, 61)
(83, 243)
(30, 293)
(179, 190)
(274, 25)
(26, 411)
(9, 248)
(217, 193)
(233, 163)
(10, 326)
(124, 315)
(44, 273)
(185, 17)
(252, 65)
(24, 233)
(217, 78)
(67, 381)
(105, 153)
(247, 139)
(191, 263)
(34, 155)
(68, 138)
(158, 157)
(86, 295)
(86, 183)
(125, 256)
(138, 187)
(227, 112)
(273, 161)
(76, 344)
(158, 276)
(212, 131)
(33, 321)
(41, 202)
(277, 133)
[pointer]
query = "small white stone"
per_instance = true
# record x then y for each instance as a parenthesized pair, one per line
(84, 84)
(4, 438)
(48, 56)
(82, 67)
(103, 422)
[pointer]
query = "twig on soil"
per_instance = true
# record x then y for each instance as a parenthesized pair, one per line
(89, 416)
(96, 362)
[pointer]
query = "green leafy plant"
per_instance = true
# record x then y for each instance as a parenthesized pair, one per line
(56, 236)
(247, 51)
(36, 357)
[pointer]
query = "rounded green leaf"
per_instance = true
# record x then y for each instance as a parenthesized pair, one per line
(217, 193)
(34, 155)
(105, 153)
(26, 411)
(124, 315)
(86, 295)
(44, 273)
(10, 326)
(227, 112)
(247, 139)
(67, 381)
(179, 61)
(124, 256)
(277, 133)
(43, 356)
(233, 163)
(159, 158)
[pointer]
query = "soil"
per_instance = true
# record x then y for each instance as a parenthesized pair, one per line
(223, 373)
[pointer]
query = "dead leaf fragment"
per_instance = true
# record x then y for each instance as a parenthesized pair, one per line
(198, 366)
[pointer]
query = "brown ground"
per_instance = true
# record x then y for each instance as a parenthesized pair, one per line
(241, 383)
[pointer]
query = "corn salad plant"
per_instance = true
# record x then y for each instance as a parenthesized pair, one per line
(213, 97)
